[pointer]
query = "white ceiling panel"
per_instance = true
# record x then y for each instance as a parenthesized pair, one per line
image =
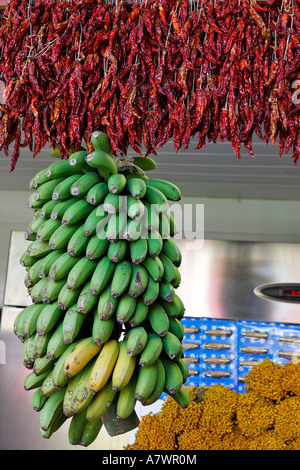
(213, 171)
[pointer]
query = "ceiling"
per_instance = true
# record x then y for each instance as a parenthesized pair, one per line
(213, 172)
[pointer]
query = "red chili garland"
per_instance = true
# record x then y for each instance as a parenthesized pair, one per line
(150, 72)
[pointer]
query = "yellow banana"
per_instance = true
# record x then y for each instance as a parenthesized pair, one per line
(101, 402)
(123, 369)
(104, 365)
(82, 353)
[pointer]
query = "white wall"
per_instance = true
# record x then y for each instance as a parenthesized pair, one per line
(224, 219)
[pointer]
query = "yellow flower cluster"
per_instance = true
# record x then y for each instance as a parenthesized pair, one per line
(265, 417)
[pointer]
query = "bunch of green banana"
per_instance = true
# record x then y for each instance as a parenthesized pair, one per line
(102, 271)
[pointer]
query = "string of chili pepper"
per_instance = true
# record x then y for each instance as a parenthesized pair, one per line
(149, 73)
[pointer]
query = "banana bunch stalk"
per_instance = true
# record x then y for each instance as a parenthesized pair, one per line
(102, 269)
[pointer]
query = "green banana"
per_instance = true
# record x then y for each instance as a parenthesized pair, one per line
(77, 161)
(151, 292)
(18, 323)
(146, 379)
(84, 183)
(70, 393)
(81, 272)
(45, 190)
(102, 275)
(96, 247)
(95, 221)
(60, 207)
(172, 251)
(55, 426)
(38, 179)
(171, 345)
(125, 308)
(133, 230)
(103, 162)
(172, 308)
(30, 317)
(56, 345)
(33, 203)
(72, 323)
(77, 243)
(151, 217)
(76, 428)
(52, 289)
(32, 275)
(158, 319)
(158, 387)
(42, 364)
(91, 432)
(121, 278)
(62, 190)
(145, 163)
(47, 209)
(61, 168)
(66, 297)
(174, 379)
(154, 267)
(136, 187)
(47, 229)
(170, 190)
(138, 250)
(116, 183)
(40, 344)
(97, 193)
(176, 327)
(61, 267)
(28, 357)
(102, 329)
(60, 238)
(138, 281)
(36, 291)
(52, 407)
(76, 212)
(136, 340)
(101, 402)
(33, 381)
(166, 291)
(184, 369)
(171, 272)
(124, 368)
(156, 198)
(59, 378)
(86, 299)
(135, 208)
(107, 303)
(33, 227)
(140, 313)
(100, 142)
(26, 260)
(48, 318)
(155, 243)
(181, 397)
(116, 226)
(117, 250)
(37, 400)
(111, 203)
(82, 393)
(47, 388)
(126, 400)
(152, 349)
(47, 262)
(38, 249)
